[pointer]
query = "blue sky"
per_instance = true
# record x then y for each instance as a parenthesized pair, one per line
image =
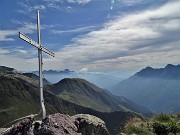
(92, 35)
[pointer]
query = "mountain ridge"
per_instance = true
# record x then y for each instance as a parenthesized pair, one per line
(170, 72)
(100, 79)
(19, 97)
(54, 71)
(157, 89)
(84, 93)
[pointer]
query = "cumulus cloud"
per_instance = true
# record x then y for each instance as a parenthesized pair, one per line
(145, 38)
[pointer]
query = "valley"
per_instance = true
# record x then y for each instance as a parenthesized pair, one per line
(20, 96)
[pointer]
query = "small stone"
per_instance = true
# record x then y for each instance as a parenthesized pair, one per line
(56, 125)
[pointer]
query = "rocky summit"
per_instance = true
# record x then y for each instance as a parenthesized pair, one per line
(59, 124)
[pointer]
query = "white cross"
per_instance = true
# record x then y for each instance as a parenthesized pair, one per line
(40, 49)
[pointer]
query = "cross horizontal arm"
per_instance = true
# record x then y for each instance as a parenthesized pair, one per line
(35, 44)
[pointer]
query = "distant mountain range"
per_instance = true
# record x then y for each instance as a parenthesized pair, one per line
(169, 72)
(157, 89)
(102, 80)
(55, 71)
(20, 97)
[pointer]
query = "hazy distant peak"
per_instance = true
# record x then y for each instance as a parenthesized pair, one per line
(55, 71)
(168, 72)
(146, 72)
(170, 66)
(58, 71)
(148, 68)
(157, 89)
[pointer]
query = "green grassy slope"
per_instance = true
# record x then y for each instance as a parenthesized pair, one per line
(19, 96)
(84, 93)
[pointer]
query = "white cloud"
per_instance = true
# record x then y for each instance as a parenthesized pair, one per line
(27, 28)
(24, 27)
(24, 54)
(145, 38)
(20, 64)
(79, 1)
(81, 29)
(131, 2)
(5, 35)
(56, 4)
(3, 51)
(28, 8)
(83, 70)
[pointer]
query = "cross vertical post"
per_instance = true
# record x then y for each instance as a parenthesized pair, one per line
(41, 49)
(40, 67)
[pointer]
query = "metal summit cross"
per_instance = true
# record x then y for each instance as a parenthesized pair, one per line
(40, 50)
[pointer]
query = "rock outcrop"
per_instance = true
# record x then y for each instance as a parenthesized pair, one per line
(59, 124)
(23, 127)
(90, 125)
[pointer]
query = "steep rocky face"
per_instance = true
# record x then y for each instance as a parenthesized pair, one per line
(60, 124)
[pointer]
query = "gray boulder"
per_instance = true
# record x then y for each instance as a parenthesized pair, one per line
(24, 127)
(57, 124)
(90, 125)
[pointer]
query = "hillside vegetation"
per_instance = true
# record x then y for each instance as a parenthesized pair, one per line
(84, 93)
(19, 97)
(162, 124)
